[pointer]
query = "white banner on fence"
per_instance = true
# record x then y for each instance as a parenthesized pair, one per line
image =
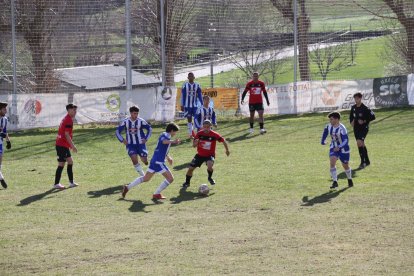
(166, 97)
(410, 89)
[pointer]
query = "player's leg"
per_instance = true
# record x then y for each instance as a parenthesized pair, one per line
(147, 177)
(188, 176)
(169, 178)
(136, 164)
(345, 164)
(251, 118)
(189, 114)
(69, 169)
(332, 162)
(210, 170)
(61, 154)
(260, 111)
(364, 148)
(2, 181)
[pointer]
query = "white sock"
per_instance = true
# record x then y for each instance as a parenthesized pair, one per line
(349, 173)
(134, 183)
(162, 186)
(333, 174)
(138, 168)
(1, 175)
(190, 128)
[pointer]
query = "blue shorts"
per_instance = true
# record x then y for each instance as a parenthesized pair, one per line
(139, 149)
(1, 149)
(344, 157)
(190, 111)
(157, 167)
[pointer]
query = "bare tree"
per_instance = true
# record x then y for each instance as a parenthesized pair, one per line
(285, 7)
(402, 43)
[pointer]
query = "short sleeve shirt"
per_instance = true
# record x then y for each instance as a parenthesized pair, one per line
(255, 91)
(207, 143)
(65, 126)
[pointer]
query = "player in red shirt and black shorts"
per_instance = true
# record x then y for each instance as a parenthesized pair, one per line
(255, 87)
(64, 144)
(205, 141)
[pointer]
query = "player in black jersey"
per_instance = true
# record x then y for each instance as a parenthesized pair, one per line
(360, 117)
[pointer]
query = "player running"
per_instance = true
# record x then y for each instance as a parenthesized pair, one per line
(205, 141)
(3, 135)
(339, 148)
(157, 164)
(255, 87)
(190, 94)
(206, 112)
(135, 140)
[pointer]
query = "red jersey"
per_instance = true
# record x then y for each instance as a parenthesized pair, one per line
(255, 91)
(207, 143)
(65, 126)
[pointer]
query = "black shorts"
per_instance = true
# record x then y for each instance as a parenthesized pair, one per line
(256, 107)
(360, 133)
(199, 160)
(63, 153)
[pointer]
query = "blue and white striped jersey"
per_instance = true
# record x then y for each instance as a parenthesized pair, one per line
(339, 136)
(190, 94)
(204, 114)
(3, 126)
(161, 150)
(134, 131)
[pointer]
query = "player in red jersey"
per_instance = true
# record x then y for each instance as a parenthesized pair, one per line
(205, 141)
(64, 144)
(255, 87)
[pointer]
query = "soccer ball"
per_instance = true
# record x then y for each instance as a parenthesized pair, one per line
(204, 189)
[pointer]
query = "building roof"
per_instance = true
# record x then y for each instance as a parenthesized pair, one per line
(103, 77)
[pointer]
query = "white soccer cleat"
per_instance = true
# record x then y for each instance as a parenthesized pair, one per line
(251, 130)
(263, 131)
(59, 186)
(73, 185)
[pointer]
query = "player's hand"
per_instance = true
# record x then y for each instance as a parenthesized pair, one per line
(176, 142)
(8, 145)
(242, 102)
(215, 125)
(125, 142)
(353, 123)
(182, 108)
(227, 152)
(336, 149)
(323, 143)
(143, 141)
(75, 150)
(169, 160)
(268, 103)
(361, 122)
(3, 135)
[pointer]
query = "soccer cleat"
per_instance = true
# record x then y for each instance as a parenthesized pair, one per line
(186, 185)
(350, 183)
(367, 164)
(158, 196)
(59, 186)
(3, 183)
(251, 130)
(362, 166)
(125, 191)
(73, 185)
(334, 185)
(211, 180)
(263, 131)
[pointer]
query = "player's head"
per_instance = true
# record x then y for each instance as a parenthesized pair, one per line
(207, 125)
(358, 97)
(71, 109)
(191, 77)
(172, 129)
(3, 108)
(133, 111)
(334, 117)
(206, 100)
(255, 76)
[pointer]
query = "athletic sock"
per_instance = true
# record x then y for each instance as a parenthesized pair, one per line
(138, 168)
(210, 174)
(58, 174)
(366, 155)
(190, 128)
(1, 175)
(333, 174)
(361, 154)
(162, 186)
(348, 173)
(188, 179)
(134, 183)
(251, 125)
(261, 125)
(69, 169)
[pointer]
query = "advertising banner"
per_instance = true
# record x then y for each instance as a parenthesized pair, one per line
(390, 91)
(410, 89)
(166, 103)
(221, 98)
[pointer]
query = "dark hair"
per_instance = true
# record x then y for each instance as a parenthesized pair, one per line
(335, 115)
(171, 127)
(71, 106)
(358, 94)
(206, 97)
(134, 108)
(3, 104)
(190, 73)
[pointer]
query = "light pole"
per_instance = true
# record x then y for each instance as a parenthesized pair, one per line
(211, 29)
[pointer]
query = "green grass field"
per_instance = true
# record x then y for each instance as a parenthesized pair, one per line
(270, 213)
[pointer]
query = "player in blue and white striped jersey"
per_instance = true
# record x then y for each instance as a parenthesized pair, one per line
(135, 137)
(191, 99)
(3, 135)
(339, 147)
(206, 112)
(157, 164)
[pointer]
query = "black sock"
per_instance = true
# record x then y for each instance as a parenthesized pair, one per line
(70, 173)
(361, 154)
(210, 174)
(251, 125)
(188, 179)
(261, 125)
(58, 174)
(366, 155)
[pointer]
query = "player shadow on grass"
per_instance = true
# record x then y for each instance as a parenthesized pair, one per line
(186, 195)
(33, 198)
(323, 198)
(241, 137)
(138, 205)
(105, 192)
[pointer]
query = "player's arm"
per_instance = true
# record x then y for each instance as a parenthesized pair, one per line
(344, 138)
(171, 142)
(226, 146)
(199, 95)
(351, 116)
(118, 133)
(244, 94)
(183, 96)
(266, 97)
(324, 135)
(196, 141)
(69, 140)
(148, 129)
(197, 119)
(370, 115)
(5, 135)
(213, 118)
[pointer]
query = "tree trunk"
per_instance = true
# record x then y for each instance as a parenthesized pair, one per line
(169, 70)
(409, 27)
(303, 30)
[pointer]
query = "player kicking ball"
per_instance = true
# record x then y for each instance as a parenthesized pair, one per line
(205, 141)
(339, 148)
(157, 164)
